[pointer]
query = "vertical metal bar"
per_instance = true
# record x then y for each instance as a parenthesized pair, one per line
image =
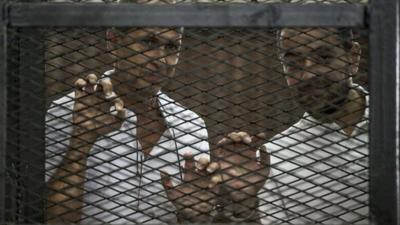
(33, 79)
(32, 117)
(398, 109)
(3, 108)
(384, 147)
(13, 185)
(25, 130)
(26, 115)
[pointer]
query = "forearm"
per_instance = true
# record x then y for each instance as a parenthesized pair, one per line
(65, 189)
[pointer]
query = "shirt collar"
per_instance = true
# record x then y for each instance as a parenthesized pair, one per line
(174, 113)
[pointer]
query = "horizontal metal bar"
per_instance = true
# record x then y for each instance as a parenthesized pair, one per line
(199, 15)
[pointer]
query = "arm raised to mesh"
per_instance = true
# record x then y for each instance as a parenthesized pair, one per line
(244, 166)
(195, 198)
(91, 119)
(224, 190)
(65, 189)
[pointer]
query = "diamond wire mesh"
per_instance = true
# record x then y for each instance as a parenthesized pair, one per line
(105, 167)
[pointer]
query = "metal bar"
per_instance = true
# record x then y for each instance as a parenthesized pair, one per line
(384, 180)
(397, 157)
(32, 123)
(28, 86)
(203, 15)
(13, 162)
(25, 158)
(3, 109)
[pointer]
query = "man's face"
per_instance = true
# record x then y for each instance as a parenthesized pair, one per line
(318, 67)
(146, 57)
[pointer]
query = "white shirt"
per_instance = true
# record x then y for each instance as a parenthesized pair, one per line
(318, 175)
(122, 186)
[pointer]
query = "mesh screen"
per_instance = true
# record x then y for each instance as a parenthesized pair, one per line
(157, 125)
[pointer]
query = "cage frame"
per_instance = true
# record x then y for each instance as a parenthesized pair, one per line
(381, 17)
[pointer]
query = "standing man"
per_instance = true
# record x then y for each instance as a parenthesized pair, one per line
(116, 145)
(319, 170)
(108, 140)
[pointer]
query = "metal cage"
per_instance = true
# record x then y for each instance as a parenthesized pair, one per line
(23, 106)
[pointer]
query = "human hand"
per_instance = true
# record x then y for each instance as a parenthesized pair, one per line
(242, 173)
(97, 109)
(195, 197)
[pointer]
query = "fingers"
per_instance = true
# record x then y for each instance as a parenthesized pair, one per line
(80, 83)
(265, 160)
(212, 167)
(264, 156)
(109, 94)
(79, 86)
(190, 168)
(202, 179)
(236, 137)
(262, 135)
(224, 141)
(189, 162)
(119, 108)
(259, 139)
(91, 78)
(204, 170)
(215, 180)
(202, 163)
(107, 87)
(245, 137)
(118, 104)
(167, 184)
(85, 85)
(91, 85)
(166, 180)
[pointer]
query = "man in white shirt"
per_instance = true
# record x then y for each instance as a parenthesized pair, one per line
(108, 140)
(319, 166)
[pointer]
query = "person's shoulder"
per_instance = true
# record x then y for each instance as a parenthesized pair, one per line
(302, 124)
(187, 126)
(59, 118)
(62, 105)
(174, 109)
(288, 137)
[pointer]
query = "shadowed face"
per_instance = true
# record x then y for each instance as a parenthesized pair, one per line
(318, 68)
(146, 58)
